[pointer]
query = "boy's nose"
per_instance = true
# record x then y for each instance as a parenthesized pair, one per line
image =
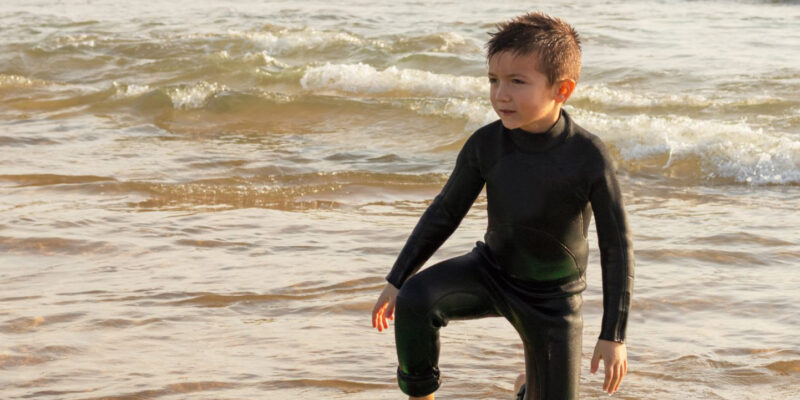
(501, 93)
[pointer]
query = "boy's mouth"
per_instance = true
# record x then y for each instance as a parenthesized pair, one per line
(506, 112)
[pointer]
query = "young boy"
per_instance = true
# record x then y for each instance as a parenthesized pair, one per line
(544, 177)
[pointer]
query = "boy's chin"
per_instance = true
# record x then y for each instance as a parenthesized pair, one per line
(509, 124)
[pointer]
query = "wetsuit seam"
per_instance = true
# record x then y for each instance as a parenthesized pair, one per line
(444, 193)
(457, 174)
(624, 261)
(624, 251)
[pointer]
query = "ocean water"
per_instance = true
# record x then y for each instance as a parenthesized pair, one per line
(200, 200)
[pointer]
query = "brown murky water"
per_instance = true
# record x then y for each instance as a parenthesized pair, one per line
(200, 200)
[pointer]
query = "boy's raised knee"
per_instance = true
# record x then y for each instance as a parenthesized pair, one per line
(415, 296)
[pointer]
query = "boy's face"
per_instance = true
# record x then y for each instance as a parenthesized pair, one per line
(520, 94)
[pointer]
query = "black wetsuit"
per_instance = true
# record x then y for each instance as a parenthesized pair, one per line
(541, 190)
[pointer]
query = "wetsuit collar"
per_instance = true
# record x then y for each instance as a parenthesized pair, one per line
(540, 141)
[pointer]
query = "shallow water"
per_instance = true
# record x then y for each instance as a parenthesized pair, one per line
(201, 200)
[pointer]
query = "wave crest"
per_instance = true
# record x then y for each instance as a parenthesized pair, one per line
(365, 79)
(692, 148)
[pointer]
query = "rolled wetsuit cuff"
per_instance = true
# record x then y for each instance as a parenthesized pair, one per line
(393, 282)
(419, 385)
(612, 339)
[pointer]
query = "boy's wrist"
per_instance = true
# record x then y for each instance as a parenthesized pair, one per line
(615, 340)
(392, 283)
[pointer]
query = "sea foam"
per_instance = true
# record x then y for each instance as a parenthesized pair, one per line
(602, 94)
(728, 150)
(476, 112)
(123, 90)
(365, 79)
(194, 95)
(286, 41)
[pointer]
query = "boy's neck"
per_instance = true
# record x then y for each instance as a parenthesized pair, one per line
(545, 124)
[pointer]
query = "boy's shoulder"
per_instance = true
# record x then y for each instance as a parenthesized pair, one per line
(488, 131)
(584, 136)
(485, 139)
(590, 145)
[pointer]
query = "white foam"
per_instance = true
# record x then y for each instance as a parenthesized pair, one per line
(265, 58)
(129, 90)
(193, 96)
(453, 42)
(286, 41)
(477, 113)
(75, 41)
(602, 94)
(259, 56)
(365, 79)
(732, 150)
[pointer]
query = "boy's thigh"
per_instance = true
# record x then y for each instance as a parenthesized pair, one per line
(455, 288)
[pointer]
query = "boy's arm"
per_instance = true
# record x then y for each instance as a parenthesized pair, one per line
(442, 216)
(616, 249)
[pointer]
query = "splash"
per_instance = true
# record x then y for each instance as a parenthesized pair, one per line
(195, 95)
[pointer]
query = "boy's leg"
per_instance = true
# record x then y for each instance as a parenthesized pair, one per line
(451, 289)
(519, 390)
(551, 333)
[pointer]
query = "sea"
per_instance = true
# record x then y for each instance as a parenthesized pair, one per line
(201, 199)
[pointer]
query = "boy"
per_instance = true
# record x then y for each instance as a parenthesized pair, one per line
(544, 177)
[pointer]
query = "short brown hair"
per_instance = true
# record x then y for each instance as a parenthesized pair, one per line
(555, 42)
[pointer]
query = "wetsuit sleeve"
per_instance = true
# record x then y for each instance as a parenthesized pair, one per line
(616, 249)
(442, 216)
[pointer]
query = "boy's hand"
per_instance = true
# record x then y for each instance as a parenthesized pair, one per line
(616, 363)
(384, 307)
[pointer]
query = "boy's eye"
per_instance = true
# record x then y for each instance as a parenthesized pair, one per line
(519, 81)
(492, 80)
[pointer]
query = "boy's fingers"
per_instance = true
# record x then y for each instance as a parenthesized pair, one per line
(378, 305)
(383, 317)
(390, 308)
(619, 378)
(378, 320)
(375, 310)
(612, 382)
(595, 361)
(378, 315)
(607, 381)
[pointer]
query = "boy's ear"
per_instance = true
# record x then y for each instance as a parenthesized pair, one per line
(564, 89)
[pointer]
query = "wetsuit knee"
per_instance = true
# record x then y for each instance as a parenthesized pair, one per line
(416, 296)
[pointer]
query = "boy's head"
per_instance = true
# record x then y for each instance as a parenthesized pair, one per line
(534, 64)
(555, 44)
